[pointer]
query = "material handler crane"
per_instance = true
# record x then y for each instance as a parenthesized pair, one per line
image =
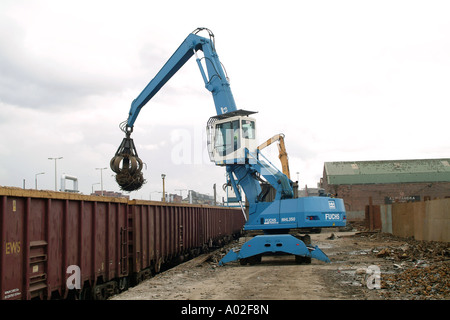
(231, 139)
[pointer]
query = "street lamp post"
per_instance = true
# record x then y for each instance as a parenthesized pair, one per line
(56, 187)
(163, 176)
(93, 187)
(101, 177)
(35, 179)
(153, 192)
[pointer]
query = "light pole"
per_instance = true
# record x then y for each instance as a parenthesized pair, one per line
(153, 192)
(35, 179)
(56, 187)
(101, 177)
(163, 176)
(93, 187)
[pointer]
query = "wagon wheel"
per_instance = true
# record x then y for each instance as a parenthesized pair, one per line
(158, 265)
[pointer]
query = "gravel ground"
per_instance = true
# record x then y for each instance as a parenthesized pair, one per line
(364, 266)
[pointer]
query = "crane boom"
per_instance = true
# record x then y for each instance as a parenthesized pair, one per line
(216, 81)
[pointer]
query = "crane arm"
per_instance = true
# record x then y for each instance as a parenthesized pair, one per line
(216, 80)
(282, 153)
(126, 163)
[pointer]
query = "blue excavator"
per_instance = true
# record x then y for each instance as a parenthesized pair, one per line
(232, 143)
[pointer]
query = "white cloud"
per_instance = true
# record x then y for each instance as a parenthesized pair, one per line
(347, 80)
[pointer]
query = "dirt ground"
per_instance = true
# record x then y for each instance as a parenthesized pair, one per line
(364, 266)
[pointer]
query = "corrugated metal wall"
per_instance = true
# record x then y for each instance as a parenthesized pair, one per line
(425, 220)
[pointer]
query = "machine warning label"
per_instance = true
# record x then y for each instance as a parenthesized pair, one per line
(331, 204)
(12, 293)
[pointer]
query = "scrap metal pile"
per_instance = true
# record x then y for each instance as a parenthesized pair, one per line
(130, 181)
(432, 282)
(422, 268)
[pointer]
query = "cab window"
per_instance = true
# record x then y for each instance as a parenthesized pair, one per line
(248, 129)
(227, 137)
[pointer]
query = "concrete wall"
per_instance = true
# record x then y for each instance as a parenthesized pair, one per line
(425, 220)
(355, 215)
(386, 218)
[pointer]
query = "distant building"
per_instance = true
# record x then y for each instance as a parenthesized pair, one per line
(175, 198)
(386, 181)
(110, 194)
(199, 198)
(310, 192)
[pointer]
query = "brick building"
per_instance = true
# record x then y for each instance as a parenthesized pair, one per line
(110, 194)
(386, 182)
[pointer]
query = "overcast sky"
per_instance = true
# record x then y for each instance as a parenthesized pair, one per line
(343, 80)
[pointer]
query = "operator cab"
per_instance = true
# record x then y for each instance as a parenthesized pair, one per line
(228, 136)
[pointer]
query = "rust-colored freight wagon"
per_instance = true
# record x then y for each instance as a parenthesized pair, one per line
(55, 244)
(169, 233)
(46, 237)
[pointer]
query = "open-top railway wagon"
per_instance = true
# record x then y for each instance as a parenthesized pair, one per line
(57, 245)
